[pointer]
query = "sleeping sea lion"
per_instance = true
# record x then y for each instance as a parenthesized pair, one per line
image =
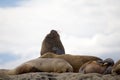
(102, 67)
(92, 67)
(109, 62)
(41, 65)
(75, 60)
(116, 68)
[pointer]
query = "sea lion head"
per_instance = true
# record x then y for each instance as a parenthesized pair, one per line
(53, 34)
(108, 62)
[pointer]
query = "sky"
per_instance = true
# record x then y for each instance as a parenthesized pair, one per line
(86, 27)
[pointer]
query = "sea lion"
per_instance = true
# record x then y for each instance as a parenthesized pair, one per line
(102, 67)
(41, 65)
(75, 60)
(52, 43)
(92, 67)
(116, 68)
(109, 63)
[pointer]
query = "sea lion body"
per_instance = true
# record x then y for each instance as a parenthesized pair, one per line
(42, 65)
(92, 67)
(74, 60)
(116, 68)
(102, 67)
(52, 43)
(108, 70)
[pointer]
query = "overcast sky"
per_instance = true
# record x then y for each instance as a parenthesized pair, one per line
(86, 27)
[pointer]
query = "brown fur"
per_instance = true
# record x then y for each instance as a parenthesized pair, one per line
(116, 68)
(93, 67)
(42, 65)
(74, 60)
(52, 43)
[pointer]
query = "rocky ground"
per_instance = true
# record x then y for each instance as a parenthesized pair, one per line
(59, 76)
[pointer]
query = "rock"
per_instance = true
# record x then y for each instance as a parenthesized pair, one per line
(60, 76)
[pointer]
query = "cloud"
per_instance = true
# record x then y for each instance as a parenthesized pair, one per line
(97, 44)
(86, 27)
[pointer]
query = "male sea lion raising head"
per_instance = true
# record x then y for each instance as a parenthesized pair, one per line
(52, 43)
